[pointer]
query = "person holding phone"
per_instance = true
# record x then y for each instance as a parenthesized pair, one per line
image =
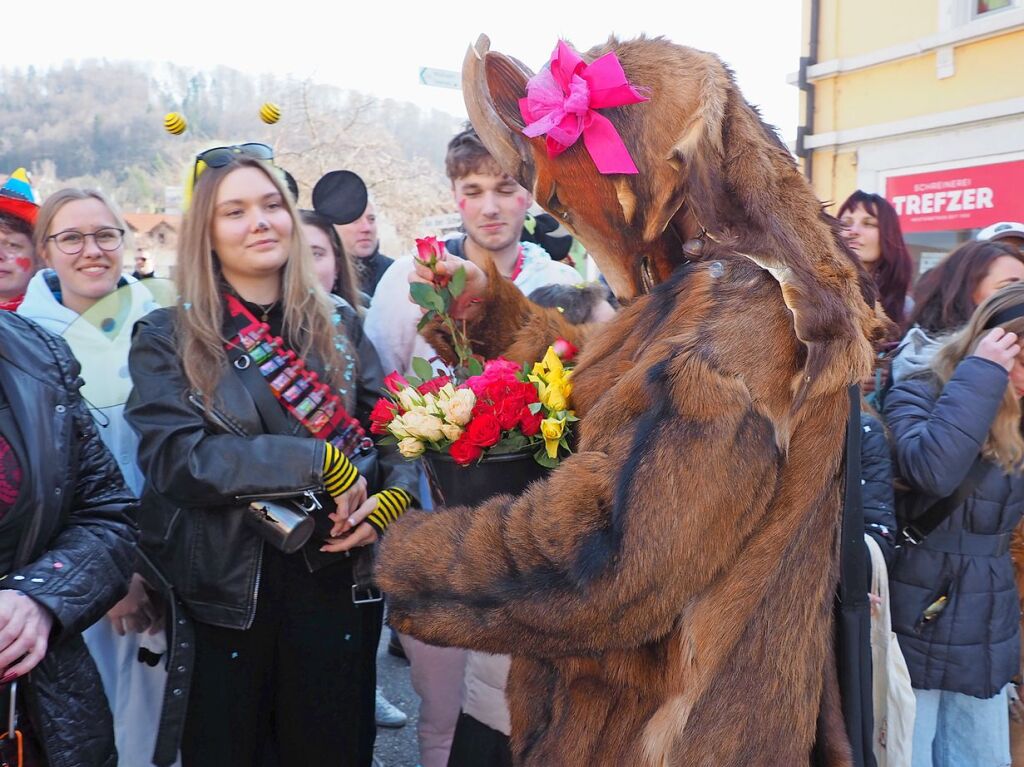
(956, 430)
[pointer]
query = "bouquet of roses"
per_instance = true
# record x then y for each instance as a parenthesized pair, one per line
(504, 409)
(481, 406)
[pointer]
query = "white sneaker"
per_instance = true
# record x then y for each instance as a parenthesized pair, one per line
(389, 715)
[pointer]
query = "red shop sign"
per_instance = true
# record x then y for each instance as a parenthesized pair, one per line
(962, 198)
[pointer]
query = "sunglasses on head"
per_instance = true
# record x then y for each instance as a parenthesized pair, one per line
(219, 156)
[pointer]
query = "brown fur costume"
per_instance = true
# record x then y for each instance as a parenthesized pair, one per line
(667, 593)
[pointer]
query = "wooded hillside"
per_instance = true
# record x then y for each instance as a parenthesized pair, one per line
(101, 124)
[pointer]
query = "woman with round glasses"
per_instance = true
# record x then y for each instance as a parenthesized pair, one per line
(79, 236)
(253, 388)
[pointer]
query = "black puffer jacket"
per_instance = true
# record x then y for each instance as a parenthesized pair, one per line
(192, 521)
(78, 504)
(972, 646)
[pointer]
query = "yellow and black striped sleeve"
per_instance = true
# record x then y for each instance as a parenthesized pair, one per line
(391, 504)
(339, 472)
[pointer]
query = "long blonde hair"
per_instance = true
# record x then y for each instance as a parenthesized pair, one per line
(307, 310)
(1005, 444)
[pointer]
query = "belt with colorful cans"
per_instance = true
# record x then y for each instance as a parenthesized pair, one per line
(310, 401)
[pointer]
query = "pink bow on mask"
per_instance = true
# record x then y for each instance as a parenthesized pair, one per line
(562, 102)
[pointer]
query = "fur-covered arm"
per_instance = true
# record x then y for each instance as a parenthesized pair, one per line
(509, 324)
(608, 550)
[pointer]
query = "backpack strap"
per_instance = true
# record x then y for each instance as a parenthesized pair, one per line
(934, 514)
(853, 573)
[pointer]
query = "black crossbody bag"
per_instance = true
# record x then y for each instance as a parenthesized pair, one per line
(918, 519)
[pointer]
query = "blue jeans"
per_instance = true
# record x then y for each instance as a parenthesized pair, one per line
(957, 730)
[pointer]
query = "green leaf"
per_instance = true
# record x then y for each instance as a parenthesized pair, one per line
(536, 407)
(390, 439)
(512, 443)
(458, 283)
(426, 319)
(422, 368)
(542, 457)
(426, 296)
(474, 366)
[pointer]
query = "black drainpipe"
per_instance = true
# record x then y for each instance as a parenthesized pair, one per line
(807, 129)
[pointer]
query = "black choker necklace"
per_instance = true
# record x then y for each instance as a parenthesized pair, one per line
(266, 309)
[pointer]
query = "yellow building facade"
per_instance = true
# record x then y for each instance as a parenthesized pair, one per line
(921, 101)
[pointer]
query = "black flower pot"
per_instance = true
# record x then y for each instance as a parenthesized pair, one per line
(455, 485)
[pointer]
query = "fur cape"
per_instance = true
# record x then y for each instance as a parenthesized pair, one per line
(666, 594)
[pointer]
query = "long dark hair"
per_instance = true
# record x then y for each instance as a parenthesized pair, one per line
(895, 266)
(944, 296)
(344, 274)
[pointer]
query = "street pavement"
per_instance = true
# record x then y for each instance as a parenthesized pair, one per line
(396, 747)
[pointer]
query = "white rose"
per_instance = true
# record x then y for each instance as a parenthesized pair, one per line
(409, 398)
(411, 447)
(398, 427)
(446, 392)
(451, 431)
(459, 409)
(422, 426)
(431, 404)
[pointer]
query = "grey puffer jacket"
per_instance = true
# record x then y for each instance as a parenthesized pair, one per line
(79, 542)
(972, 645)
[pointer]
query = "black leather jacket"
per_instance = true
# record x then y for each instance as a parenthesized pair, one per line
(79, 518)
(192, 520)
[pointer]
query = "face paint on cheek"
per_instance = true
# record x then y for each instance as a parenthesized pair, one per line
(522, 201)
(23, 263)
(462, 203)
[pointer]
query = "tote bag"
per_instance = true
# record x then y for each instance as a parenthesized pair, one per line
(894, 702)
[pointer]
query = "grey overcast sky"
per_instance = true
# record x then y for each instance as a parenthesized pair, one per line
(377, 47)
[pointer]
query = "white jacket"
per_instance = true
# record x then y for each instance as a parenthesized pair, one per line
(391, 327)
(392, 318)
(100, 341)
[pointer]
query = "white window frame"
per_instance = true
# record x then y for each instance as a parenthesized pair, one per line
(972, 9)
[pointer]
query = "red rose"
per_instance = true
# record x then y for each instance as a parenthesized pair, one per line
(464, 452)
(394, 382)
(529, 423)
(381, 415)
(484, 430)
(434, 385)
(528, 391)
(508, 412)
(565, 350)
(429, 251)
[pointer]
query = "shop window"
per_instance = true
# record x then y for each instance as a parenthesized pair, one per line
(928, 248)
(980, 8)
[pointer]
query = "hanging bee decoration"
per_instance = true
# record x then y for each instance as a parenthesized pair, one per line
(270, 113)
(175, 123)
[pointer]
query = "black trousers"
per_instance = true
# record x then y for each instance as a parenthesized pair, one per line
(297, 688)
(477, 745)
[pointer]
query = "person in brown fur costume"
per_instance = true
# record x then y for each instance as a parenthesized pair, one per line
(666, 594)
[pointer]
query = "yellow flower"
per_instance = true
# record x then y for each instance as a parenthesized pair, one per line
(552, 429)
(548, 368)
(553, 397)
